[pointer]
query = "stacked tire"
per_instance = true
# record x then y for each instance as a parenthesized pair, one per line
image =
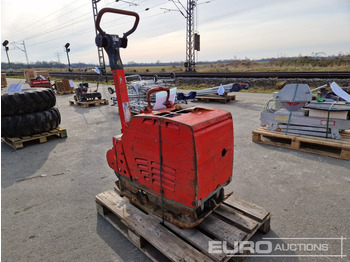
(28, 112)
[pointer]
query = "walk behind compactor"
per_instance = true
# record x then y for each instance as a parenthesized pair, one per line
(172, 162)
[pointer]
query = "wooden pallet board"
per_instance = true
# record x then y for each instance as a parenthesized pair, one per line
(216, 98)
(96, 102)
(64, 92)
(3, 80)
(311, 144)
(18, 142)
(234, 220)
(63, 87)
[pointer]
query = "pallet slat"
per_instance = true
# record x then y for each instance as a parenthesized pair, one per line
(150, 229)
(64, 92)
(96, 102)
(196, 239)
(238, 219)
(18, 142)
(216, 98)
(317, 145)
(247, 208)
(3, 80)
(146, 248)
(218, 228)
(146, 231)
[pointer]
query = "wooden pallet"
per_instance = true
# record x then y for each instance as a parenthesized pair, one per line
(17, 142)
(233, 221)
(216, 98)
(3, 80)
(63, 87)
(96, 102)
(311, 144)
(64, 92)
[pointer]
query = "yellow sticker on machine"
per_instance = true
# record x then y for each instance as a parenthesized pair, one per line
(281, 118)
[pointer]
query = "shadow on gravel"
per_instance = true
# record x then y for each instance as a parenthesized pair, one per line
(18, 165)
(306, 156)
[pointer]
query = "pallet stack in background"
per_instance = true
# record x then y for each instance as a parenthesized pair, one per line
(41, 73)
(32, 74)
(3, 80)
(64, 87)
(28, 74)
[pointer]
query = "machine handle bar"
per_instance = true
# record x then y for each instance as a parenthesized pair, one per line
(167, 103)
(117, 11)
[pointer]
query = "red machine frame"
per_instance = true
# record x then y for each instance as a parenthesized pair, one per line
(172, 162)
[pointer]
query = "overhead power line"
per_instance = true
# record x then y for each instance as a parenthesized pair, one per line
(42, 20)
(57, 32)
(90, 29)
(71, 22)
(61, 26)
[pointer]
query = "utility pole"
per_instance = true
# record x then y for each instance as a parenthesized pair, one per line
(192, 38)
(67, 51)
(58, 57)
(23, 50)
(101, 58)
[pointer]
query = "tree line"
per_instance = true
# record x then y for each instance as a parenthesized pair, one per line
(297, 61)
(44, 64)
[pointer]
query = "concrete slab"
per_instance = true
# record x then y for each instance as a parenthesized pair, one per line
(48, 210)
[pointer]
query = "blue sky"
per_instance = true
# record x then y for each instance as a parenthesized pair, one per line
(229, 29)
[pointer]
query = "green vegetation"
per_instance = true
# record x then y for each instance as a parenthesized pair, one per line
(302, 63)
(306, 63)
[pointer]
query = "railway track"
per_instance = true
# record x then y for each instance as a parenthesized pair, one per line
(282, 75)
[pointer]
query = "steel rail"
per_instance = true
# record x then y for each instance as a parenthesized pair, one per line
(315, 74)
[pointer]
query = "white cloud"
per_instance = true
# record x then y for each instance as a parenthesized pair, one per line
(255, 28)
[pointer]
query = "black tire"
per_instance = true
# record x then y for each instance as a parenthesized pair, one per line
(27, 101)
(30, 124)
(155, 78)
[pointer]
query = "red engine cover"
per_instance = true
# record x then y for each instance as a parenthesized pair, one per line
(196, 150)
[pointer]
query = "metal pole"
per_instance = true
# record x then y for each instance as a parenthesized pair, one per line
(190, 50)
(58, 57)
(25, 51)
(8, 58)
(5, 43)
(69, 69)
(101, 58)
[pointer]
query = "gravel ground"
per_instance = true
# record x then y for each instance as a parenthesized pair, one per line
(47, 199)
